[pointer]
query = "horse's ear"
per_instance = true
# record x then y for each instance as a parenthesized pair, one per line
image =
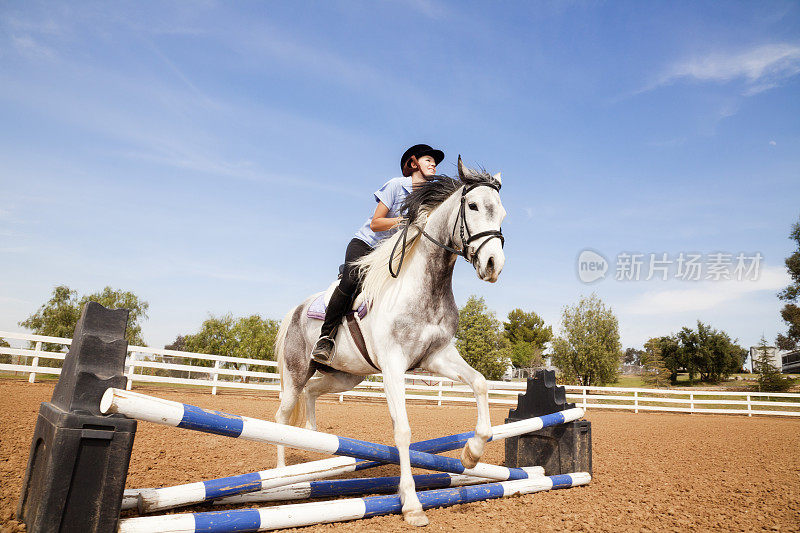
(460, 168)
(497, 178)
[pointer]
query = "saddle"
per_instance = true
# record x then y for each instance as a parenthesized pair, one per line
(360, 308)
(317, 308)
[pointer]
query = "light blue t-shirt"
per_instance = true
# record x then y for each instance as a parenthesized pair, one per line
(392, 195)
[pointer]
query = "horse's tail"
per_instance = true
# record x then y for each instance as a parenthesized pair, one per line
(298, 416)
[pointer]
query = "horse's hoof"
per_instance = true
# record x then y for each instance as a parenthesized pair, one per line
(467, 459)
(416, 518)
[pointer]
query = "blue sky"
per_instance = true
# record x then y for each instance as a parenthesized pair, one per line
(217, 157)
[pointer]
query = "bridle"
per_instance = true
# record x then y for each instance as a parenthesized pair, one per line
(465, 252)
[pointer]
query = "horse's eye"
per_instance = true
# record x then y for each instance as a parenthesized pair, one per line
(473, 206)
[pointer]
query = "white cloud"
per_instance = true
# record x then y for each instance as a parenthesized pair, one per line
(761, 68)
(29, 47)
(705, 295)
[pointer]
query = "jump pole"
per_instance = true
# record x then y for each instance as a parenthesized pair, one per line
(356, 486)
(166, 412)
(306, 514)
(152, 500)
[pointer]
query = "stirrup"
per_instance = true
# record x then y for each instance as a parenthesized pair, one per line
(324, 350)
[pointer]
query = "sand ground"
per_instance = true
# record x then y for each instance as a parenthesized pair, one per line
(652, 472)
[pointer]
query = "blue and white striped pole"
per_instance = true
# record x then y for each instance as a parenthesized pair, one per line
(148, 408)
(152, 500)
(306, 514)
(166, 412)
(337, 487)
(355, 486)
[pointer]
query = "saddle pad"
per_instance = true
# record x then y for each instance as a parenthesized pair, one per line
(318, 307)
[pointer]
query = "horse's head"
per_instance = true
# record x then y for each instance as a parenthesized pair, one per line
(481, 214)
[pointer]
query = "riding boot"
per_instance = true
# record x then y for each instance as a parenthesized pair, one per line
(325, 347)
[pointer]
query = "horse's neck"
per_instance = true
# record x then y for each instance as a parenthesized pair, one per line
(432, 266)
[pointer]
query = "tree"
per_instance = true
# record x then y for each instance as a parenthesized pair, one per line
(791, 312)
(250, 337)
(670, 352)
(654, 372)
(4, 358)
(59, 316)
(178, 345)
(706, 352)
(479, 339)
(588, 349)
(527, 336)
(632, 356)
(118, 299)
(769, 377)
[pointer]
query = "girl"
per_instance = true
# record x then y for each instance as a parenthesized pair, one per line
(418, 165)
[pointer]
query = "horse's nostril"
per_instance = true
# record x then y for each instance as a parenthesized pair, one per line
(490, 264)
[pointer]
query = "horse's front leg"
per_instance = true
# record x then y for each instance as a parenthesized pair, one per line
(395, 388)
(449, 363)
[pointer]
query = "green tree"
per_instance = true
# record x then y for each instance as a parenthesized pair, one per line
(179, 344)
(118, 299)
(769, 377)
(632, 356)
(528, 335)
(588, 349)
(250, 337)
(480, 341)
(669, 350)
(59, 315)
(707, 353)
(4, 358)
(654, 372)
(791, 312)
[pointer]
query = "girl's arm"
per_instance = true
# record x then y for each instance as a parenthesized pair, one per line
(380, 222)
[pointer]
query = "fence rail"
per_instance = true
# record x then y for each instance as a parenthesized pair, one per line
(152, 365)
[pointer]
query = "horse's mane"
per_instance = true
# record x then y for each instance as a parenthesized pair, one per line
(420, 202)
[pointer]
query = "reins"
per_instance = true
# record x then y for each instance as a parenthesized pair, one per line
(464, 229)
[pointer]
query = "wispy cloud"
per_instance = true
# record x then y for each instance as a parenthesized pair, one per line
(760, 68)
(428, 8)
(29, 47)
(705, 295)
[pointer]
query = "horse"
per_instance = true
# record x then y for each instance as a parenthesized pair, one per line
(412, 317)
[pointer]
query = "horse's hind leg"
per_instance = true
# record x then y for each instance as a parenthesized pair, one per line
(328, 382)
(295, 372)
(449, 363)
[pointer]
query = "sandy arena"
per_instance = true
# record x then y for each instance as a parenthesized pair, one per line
(652, 472)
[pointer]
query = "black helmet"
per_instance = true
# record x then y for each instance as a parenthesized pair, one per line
(419, 150)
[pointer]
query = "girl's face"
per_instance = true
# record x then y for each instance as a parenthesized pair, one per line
(427, 165)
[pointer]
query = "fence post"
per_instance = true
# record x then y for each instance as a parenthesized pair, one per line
(749, 406)
(441, 382)
(131, 362)
(37, 349)
(341, 398)
(584, 398)
(691, 402)
(636, 401)
(215, 378)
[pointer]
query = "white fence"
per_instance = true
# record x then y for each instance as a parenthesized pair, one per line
(151, 365)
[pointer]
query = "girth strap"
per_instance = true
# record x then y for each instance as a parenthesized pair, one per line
(358, 338)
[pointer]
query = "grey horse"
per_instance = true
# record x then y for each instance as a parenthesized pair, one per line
(412, 317)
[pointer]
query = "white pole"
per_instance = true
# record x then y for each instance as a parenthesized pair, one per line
(216, 377)
(35, 365)
(306, 514)
(131, 362)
